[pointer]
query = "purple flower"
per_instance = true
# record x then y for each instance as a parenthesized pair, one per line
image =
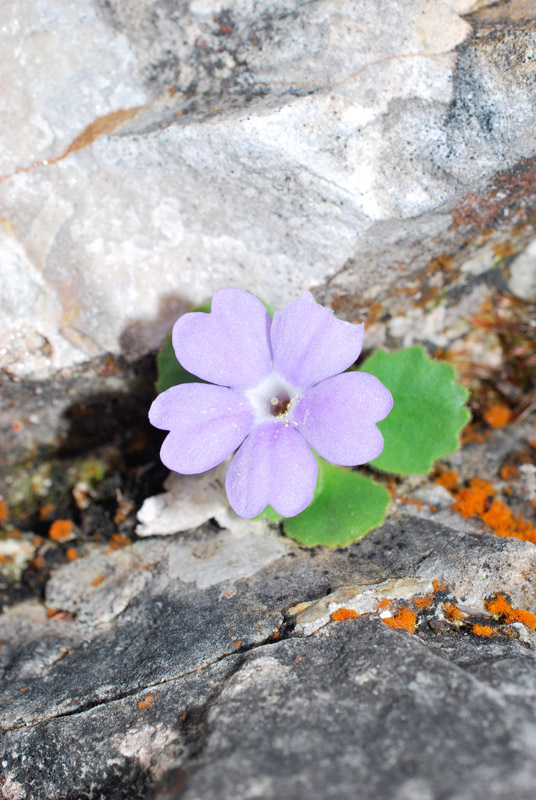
(275, 392)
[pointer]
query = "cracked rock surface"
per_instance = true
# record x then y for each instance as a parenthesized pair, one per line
(323, 671)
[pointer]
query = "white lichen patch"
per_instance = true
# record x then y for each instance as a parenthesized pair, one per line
(99, 587)
(156, 747)
(241, 550)
(14, 555)
(261, 670)
(11, 789)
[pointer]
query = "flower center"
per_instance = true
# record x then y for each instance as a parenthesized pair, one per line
(279, 405)
(273, 399)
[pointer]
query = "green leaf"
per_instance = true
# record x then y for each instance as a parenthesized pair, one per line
(345, 507)
(429, 410)
(169, 371)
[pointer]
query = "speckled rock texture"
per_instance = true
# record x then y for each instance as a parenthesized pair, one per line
(141, 684)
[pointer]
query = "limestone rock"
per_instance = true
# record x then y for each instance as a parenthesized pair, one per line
(163, 152)
(523, 273)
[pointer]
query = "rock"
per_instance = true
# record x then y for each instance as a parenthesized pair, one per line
(523, 273)
(272, 684)
(161, 155)
(189, 501)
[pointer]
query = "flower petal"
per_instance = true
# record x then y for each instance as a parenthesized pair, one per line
(231, 345)
(273, 467)
(309, 344)
(338, 416)
(206, 424)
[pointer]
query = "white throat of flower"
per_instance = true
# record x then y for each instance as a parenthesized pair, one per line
(273, 400)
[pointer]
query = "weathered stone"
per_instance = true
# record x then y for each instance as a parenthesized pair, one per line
(523, 273)
(227, 685)
(259, 147)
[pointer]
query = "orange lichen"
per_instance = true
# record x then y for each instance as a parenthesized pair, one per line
(147, 702)
(118, 540)
(498, 415)
(236, 644)
(45, 511)
(98, 580)
(500, 607)
(478, 500)
(61, 530)
(411, 501)
(483, 630)
(532, 442)
(71, 554)
(438, 587)
(453, 611)
(470, 436)
(425, 601)
(472, 502)
(344, 613)
(404, 619)
(509, 472)
(391, 487)
(503, 523)
(503, 249)
(382, 604)
(448, 479)
(3, 511)
(37, 563)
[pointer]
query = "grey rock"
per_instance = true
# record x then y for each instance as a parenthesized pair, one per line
(222, 691)
(360, 710)
(522, 280)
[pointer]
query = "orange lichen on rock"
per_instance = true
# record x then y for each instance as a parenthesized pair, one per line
(382, 604)
(344, 613)
(98, 580)
(503, 523)
(509, 472)
(500, 607)
(472, 502)
(438, 587)
(404, 619)
(3, 511)
(45, 511)
(411, 501)
(71, 554)
(147, 702)
(448, 479)
(498, 415)
(478, 500)
(117, 540)
(61, 530)
(425, 601)
(483, 630)
(470, 436)
(452, 611)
